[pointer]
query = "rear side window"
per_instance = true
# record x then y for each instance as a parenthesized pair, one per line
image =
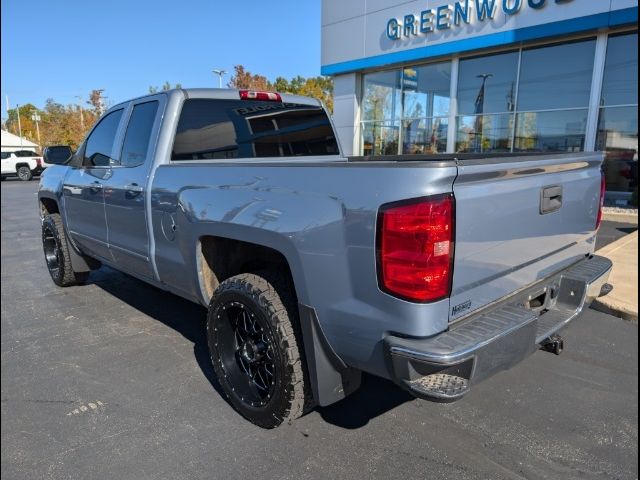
(223, 129)
(100, 142)
(136, 140)
(5, 155)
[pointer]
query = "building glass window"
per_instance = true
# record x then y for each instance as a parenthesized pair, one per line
(406, 110)
(487, 84)
(530, 99)
(618, 119)
(486, 96)
(553, 97)
(380, 138)
(382, 97)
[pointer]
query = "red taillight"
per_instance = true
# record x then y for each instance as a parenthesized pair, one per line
(39, 161)
(264, 96)
(602, 190)
(415, 248)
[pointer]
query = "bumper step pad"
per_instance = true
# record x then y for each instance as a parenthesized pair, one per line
(440, 386)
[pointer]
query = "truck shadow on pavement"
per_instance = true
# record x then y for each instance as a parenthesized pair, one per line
(185, 317)
(375, 396)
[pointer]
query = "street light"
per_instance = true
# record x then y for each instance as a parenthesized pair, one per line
(220, 73)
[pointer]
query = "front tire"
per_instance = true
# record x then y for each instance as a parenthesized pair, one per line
(255, 352)
(56, 253)
(24, 173)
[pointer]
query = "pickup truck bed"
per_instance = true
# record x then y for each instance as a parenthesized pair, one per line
(434, 272)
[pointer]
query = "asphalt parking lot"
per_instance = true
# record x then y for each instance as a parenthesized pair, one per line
(112, 380)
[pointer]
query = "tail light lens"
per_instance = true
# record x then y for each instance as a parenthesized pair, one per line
(264, 96)
(415, 248)
(602, 190)
(39, 161)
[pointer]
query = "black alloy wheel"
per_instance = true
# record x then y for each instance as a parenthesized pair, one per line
(255, 350)
(51, 247)
(56, 253)
(246, 353)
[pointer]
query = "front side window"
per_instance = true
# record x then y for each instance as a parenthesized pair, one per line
(100, 142)
(136, 140)
(5, 155)
(223, 129)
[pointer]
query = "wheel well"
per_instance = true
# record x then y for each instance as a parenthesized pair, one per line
(48, 206)
(221, 258)
(23, 164)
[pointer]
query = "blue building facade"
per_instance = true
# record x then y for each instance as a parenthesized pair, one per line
(487, 76)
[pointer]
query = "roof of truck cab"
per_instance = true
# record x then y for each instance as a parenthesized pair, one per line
(234, 94)
(219, 93)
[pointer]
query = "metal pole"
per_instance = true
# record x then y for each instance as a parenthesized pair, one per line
(36, 118)
(220, 73)
(19, 126)
(6, 97)
(81, 113)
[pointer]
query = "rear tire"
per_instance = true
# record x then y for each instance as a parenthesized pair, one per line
(256, 354)
(56, 253)
(24, 173)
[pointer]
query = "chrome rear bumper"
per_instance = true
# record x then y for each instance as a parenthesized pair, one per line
(496, 338)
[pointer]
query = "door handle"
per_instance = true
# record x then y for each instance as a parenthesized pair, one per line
(550, 199)
(95, 187)
(134, 188)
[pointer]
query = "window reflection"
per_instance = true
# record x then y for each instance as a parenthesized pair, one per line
(424, 135)
(425, 90)
(382, 99)
(556, 77)
(484, 133)
(620, 81)
(411, 103)
(618, 136)
(487, 84)
(559, 131)
(618, 125)
(380, 138)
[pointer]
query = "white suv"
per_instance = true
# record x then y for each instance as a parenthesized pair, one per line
(24, 164)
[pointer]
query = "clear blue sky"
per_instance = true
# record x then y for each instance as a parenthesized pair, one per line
(60, 49)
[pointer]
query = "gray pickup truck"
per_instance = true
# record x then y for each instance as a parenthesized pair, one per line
(432, 271)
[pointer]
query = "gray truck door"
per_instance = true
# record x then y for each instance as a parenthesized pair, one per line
(83, 189)
(125, 191)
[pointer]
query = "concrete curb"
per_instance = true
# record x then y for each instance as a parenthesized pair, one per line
(620, 217)
(616, 311)
(614, 303)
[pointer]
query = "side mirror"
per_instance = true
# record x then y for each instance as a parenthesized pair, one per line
(57, 155)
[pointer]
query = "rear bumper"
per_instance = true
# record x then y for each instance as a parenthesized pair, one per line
(445, 366)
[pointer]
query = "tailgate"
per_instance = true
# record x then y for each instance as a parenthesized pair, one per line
(519, 220)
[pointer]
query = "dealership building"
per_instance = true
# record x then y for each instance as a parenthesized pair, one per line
(426, 77)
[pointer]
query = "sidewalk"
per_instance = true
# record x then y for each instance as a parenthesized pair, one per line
(622, 301)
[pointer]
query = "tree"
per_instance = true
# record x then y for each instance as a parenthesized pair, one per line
(243, 79)
(97, 101)
(318, 87)
(166, 86)
(27, 125)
